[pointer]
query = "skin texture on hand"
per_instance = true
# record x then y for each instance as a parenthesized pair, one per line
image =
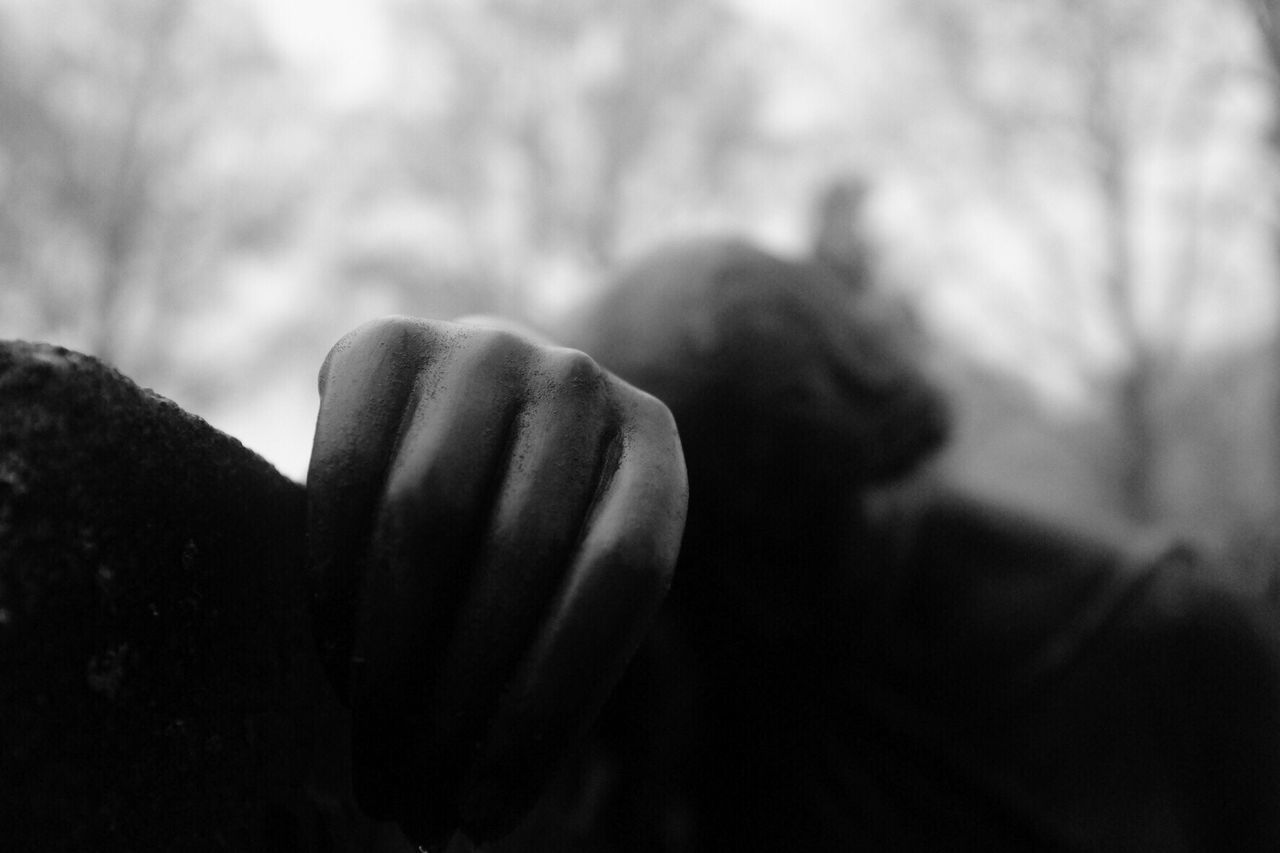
(492, 526)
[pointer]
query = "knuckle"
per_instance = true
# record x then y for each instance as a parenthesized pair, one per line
(500, 345)
(573, 366)
(646, 415)
(655, 412)
(373, 367)
(491, 358)
(381, 331)
(357, 344)
(573, 375)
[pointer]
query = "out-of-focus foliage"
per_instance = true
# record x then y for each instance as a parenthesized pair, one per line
(530, 140)
(1119, 145)
(1112, 150)
(129, 170)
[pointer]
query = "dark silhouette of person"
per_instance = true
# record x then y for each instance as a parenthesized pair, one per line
(843, 666)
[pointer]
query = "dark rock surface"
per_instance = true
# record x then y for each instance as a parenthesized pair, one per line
(158, 686)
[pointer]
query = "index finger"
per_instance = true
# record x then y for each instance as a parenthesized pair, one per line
(367, 386)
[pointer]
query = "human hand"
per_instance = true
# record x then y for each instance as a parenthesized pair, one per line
(492, 526)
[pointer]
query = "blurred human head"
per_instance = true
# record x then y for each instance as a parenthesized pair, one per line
(773, 368)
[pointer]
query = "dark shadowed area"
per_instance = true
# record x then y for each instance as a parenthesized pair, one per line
(160, 688)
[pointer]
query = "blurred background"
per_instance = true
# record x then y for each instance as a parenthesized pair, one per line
(1076, 198)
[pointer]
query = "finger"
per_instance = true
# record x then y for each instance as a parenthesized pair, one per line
(567, 437)
(448, 466)
(366, 385)
(597, 620)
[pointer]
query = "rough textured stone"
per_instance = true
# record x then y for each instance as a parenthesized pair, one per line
(158, 686)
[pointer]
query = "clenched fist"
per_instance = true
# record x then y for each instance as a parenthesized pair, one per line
(492, 526)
